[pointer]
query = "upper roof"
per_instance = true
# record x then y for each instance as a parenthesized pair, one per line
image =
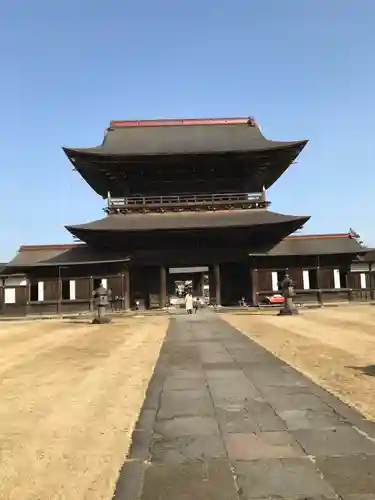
(177, 147)
(60, 255)
(166, 137)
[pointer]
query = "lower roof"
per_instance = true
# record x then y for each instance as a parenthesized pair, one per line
(80, 254)
(331, 244)
(62, 255)
(186, 220)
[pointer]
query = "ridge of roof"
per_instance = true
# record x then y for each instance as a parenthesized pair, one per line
(62, 246)
(318, 236)
(165, 122)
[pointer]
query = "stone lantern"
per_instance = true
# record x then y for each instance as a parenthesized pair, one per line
(287, 290)
(101, 302)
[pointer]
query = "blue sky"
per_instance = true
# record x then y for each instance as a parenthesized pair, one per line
(303, 68)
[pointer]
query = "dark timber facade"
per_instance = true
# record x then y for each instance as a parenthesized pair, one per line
(185, 194)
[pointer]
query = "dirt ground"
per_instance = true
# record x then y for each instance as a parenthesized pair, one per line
(334, 346)
(70, 395)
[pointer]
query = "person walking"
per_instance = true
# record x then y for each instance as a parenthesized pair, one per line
(189, 303)
(197, 305)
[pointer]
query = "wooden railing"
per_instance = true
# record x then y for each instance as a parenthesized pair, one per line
(186, 201)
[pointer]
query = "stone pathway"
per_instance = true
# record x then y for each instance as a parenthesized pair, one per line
(225, 420)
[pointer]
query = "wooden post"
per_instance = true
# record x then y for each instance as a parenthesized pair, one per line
(217, 284)
(371, 281)
(2, 295)
(28, 295)
(211, 284)
(163, 287)
(254, 286)
(201, 284)
(91, 289)
(59, 291)
(318, 284)
(348, 284)
(126, 289)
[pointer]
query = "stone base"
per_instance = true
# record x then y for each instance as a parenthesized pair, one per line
(288, 312)
(101, 321)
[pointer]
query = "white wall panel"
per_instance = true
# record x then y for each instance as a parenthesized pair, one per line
(40, 291)
(72, 290)
(275, 284)
(9, 295)
(306, 280)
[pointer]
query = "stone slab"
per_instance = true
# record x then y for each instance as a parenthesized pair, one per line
(187, 374)
(349, 475)
(222, 369)
(187, 448)
(184, 403)
(293, 478)
(232, 389)
(264, 416)
(281, 401)
(310, 419)
(211, 480)
(182, 384)
(153, 393)
(264, 378)
(234, 418)
(341, 441)
(130, 480)
(263, 445)
(187, 426)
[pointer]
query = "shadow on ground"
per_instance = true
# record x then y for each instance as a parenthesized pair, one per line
(366, 370)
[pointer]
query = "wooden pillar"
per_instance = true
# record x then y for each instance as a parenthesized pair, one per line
(28, 295)
(318, 284)
(59, 291)
(2, 295)
(348, 283)
(217, 284)
(371, 283)
(201, 284)
(254, 285)
(211, 284)
(91, 291)
(126, 289)
(163, 287)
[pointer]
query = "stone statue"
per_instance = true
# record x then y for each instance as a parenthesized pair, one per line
(100, 296)
(287, 290)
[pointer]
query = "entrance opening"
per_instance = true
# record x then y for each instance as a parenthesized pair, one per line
(181, 280)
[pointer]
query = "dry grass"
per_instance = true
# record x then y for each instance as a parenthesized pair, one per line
(335, 347)
(70, 396)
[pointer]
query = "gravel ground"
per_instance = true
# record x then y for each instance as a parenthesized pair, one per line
(70, 396)
(334, 346)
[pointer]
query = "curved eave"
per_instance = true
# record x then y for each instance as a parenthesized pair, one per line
(102, 175)
(208, 221)
(46, 256)
(228, 136)
(101, 151)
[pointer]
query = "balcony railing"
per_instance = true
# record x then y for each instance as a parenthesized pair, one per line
(187, 201)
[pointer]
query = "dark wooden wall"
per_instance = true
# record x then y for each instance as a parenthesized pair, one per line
(237, 279)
